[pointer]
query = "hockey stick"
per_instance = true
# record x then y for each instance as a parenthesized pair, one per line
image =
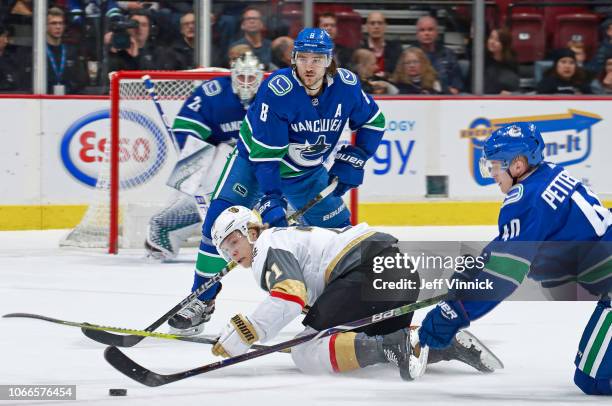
(106, 337)
(292, 219)
(189, 169)
(142, 333)
(150, 88)
(131, 369)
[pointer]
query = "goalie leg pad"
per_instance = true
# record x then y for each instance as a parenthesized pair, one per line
(171, 226)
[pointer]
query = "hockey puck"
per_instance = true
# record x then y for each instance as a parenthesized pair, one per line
(117, 392)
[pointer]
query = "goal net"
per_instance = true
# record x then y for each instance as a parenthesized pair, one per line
(135, 162)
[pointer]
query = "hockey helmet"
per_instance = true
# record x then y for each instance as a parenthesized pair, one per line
(231, 219)
(247, 74)
(314, 40)
(509, 142)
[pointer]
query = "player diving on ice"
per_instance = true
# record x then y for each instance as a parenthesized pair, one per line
(322, 271)
(552, 229)
(206, 130)
(289, 131)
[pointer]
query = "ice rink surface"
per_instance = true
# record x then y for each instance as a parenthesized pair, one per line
(537, 341)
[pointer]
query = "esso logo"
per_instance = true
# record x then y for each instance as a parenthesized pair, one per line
(85, 150)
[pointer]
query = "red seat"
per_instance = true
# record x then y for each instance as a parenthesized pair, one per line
(577, 27)
(551, 13)
(349, 22)
(528, 36)
(349, 29)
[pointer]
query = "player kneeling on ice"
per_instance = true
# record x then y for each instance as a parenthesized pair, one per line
(323, 270)
(543, 203)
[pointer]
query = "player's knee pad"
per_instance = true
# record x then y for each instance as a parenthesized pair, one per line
(312, 357)
(216, 207)
(592, 386)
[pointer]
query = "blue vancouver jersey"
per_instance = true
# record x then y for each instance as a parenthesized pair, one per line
(212, 113)
(552, 229)
(296, 133)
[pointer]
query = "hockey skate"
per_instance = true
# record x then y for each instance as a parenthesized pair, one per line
(469, 350)
(191, 319)
(402, 348)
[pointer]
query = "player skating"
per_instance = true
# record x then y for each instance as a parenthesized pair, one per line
(289, 131)
(206, 130)
(543, 204)
(324, 271)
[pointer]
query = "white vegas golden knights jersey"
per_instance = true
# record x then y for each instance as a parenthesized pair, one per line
(295, 264)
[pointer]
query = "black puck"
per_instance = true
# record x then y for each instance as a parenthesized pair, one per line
(117, 392)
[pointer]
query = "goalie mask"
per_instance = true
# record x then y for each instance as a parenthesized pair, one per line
(247, 74)
(234, 218)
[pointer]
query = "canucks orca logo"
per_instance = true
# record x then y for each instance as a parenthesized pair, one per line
(309, 154)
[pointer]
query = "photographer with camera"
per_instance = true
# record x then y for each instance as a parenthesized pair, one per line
(129, 43)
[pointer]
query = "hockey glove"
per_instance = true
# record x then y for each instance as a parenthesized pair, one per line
(442, 323)
(348, 167)
(273, 210)
(236, 338)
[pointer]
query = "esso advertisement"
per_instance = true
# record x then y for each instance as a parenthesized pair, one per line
(85, 148)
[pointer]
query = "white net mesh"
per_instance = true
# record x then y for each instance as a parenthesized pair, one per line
(146, 157)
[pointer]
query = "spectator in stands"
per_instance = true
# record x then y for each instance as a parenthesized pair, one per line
(415, 75)
(78, 9)
(180, 55)
(386, 51)
(139, 53)
(364, 64)
(10, 70)
(19, 20)
(603, 83)
(281, 52)
(565, 77)
(236, 52)
(329, 22)
(605, 48)
(501, 74)
(253, 28)
(66, 72)
(579, 50)
(443, 59)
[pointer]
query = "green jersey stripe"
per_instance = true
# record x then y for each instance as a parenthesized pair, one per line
(596, 346)
(510, 267)
(192, 126)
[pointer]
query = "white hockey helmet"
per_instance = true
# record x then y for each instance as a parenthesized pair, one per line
(247, 74)
(231, 219)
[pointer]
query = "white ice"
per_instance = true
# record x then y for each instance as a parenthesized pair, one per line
(537, 341)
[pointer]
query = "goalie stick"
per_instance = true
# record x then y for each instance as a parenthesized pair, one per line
(106, 337)
(131, 369)
(142, 333)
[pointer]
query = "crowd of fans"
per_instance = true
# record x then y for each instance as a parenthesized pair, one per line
(86, 39)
